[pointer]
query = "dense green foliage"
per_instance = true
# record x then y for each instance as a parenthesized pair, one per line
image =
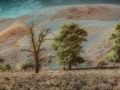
(67, 44)
(5, 67)
(114, 55)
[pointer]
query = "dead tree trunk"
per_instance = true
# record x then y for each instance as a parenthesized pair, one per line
(37, 65)
(37, 46)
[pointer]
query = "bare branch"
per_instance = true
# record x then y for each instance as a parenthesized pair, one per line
(31, 46)
(52, 33)
(43, 49)
(36, 46)
(28, 51)
(41, 38)
(31, 55)
(47, 39)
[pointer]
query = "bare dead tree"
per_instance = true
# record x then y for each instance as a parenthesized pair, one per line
(37, 48)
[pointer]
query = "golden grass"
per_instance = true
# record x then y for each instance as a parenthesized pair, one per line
(61, 80)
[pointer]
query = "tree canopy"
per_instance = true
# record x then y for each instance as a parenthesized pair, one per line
(114, 55)
(67, 44)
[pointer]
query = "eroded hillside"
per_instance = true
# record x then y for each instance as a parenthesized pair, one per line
(98, 21)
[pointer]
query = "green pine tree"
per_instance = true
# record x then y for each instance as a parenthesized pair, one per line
(114, 55)
(67, 44)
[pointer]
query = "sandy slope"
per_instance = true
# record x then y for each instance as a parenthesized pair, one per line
(90, 12)
(98, 20)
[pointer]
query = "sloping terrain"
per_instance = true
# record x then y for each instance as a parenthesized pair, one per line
(98, 21)
(96, 12)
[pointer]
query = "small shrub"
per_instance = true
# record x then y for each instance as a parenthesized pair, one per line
(112, 56)
(115, 49)
(102, 64)
(24, 65)
(5, 67)
(2, 87)
(1, 60)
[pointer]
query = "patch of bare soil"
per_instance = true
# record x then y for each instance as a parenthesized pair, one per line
(15, 31)
(104, 13)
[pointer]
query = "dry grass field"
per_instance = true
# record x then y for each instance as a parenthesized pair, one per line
(61, 80)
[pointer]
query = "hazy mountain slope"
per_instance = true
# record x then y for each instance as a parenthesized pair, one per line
(4, 23)
(98, 21)
(90, 12)
(2, 20)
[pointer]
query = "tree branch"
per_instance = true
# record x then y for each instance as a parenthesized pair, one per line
(28, 51)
